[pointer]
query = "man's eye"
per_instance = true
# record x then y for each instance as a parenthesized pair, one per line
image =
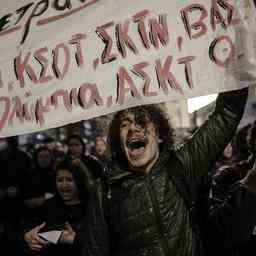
(124, 124)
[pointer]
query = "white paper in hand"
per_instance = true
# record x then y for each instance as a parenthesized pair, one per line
(51, 236)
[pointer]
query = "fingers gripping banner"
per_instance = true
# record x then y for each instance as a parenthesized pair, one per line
(63, 61)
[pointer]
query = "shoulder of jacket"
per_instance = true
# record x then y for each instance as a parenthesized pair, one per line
(118, 177)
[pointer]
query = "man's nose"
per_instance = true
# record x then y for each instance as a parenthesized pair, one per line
(136, 127)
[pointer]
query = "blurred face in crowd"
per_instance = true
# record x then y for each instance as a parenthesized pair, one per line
(44, 158)
(66, 187)
(139, 142)
(228, 151)
(75, 148)
(50, 145)
(100, 146)
(251, 138)
(59, 147)
(3, 144)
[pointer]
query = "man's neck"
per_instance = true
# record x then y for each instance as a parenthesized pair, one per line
(146, 169)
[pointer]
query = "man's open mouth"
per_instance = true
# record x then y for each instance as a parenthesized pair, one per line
(136, 146)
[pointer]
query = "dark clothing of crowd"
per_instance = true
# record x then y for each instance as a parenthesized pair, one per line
(14, 164)
(183, 206)
(55, 215)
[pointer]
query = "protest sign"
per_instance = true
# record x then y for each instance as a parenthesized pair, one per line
(69, 60)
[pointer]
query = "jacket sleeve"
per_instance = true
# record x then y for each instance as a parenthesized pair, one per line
(94, 241)
(100, 232)
(199, 153)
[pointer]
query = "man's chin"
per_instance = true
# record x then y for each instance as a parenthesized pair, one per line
(142, 163)
(138, 164)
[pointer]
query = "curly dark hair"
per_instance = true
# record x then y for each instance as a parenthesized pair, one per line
(154, 113)
(78, 176)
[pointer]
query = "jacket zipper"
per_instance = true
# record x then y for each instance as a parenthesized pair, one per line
(160, 225)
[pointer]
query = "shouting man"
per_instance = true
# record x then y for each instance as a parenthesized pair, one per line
(148, 206)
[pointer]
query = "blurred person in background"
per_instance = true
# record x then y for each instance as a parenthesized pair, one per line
(101, 154)
(68, 212)
(241, 145)
(59, 151)
(14, 164)
(76, 149)
(232, 217)
(225, 159)
(100, 148)
(39, 182)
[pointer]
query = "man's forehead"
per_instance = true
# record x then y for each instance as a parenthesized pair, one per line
(139, 116)
(127, 114)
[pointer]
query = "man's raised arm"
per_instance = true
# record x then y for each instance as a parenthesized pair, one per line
(200, 152)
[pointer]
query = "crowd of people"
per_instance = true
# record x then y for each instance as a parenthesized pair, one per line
(148, 196)
(31, 186)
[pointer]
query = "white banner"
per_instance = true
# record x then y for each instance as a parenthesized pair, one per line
(63, 61)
